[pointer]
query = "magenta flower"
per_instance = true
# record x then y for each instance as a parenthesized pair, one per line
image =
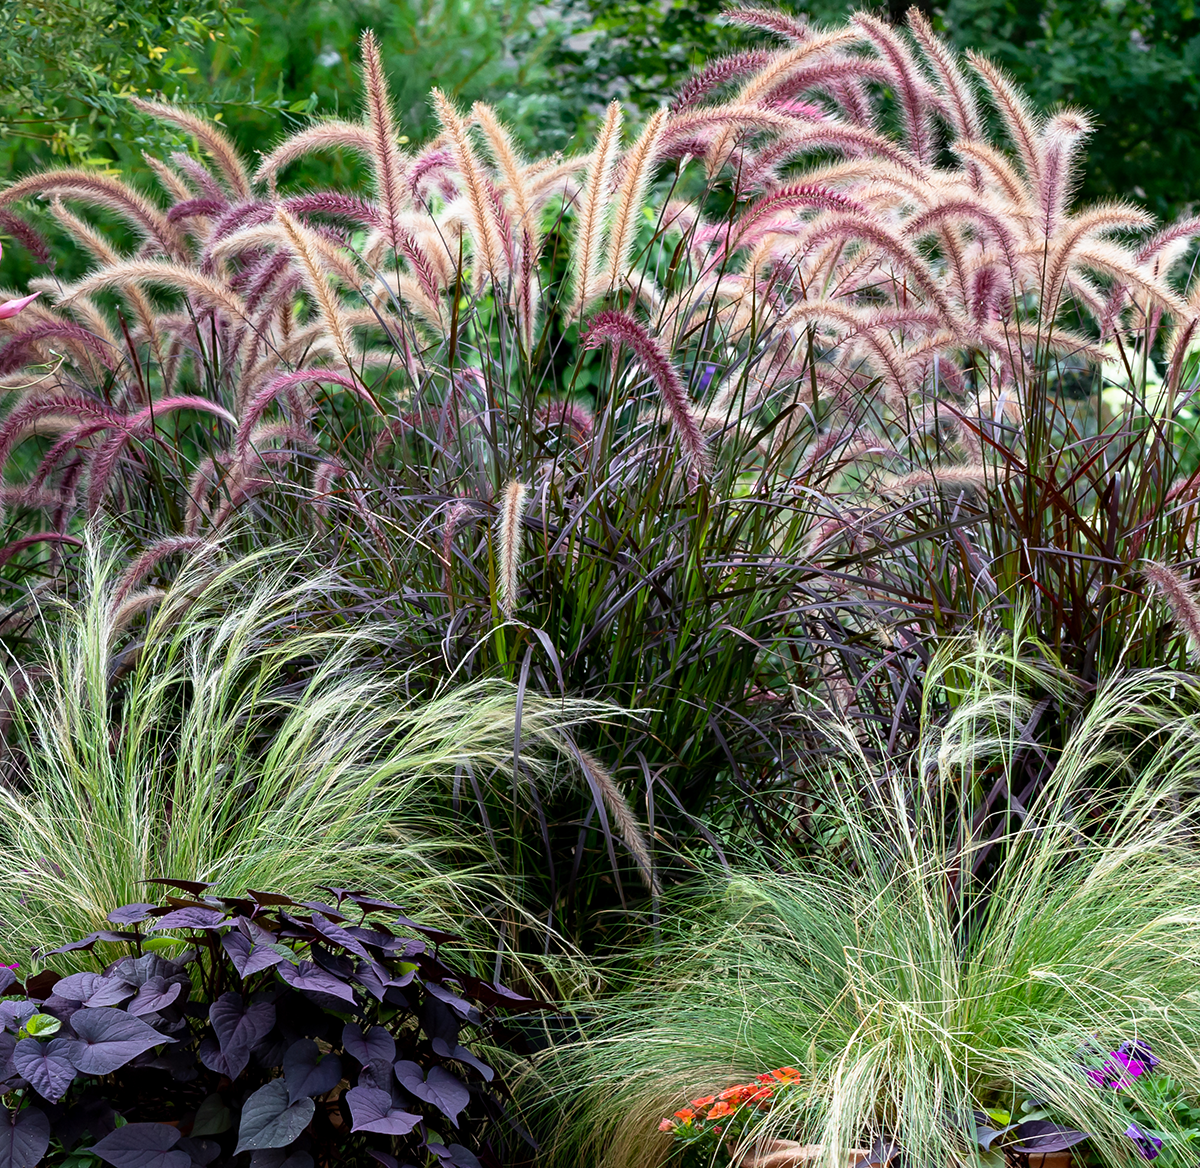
(1123, 1065)
(1148, 1146)
(12, 307)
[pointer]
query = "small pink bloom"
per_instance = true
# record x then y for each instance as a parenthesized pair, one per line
(12, 307)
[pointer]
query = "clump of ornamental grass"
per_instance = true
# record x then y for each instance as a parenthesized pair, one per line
(227, 730)
(769, 392)
(909, 982)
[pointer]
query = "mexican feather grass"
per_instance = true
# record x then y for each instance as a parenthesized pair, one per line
(910, 987)
(243, 738)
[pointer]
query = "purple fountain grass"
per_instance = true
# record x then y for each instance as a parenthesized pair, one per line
(508, 540)
(619, 328)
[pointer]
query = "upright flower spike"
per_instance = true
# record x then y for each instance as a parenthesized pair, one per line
(508, 535)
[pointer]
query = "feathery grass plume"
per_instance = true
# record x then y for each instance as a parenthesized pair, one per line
(485, 230)
(631, 195)
(908, 80)
(1016, 111)
(316, 278)
(209, 135)
(229, 754)
(327, 134)
(586, 253)
(960, 105)
(101, 190)
(512, 167)
(1180, 598)
(783, 24)
(908, 988)
(128, 273)
(386, 159)
(509, 545)
(611, 798)
(619, 328)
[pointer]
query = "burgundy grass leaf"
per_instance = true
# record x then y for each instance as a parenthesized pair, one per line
(620, 328)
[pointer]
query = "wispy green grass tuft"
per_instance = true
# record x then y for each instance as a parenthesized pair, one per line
(239, 736)
(909, 985)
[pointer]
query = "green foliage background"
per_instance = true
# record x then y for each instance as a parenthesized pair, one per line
(549, 67)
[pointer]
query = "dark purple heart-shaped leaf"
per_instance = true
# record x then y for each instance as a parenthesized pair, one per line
(7, 1045)
(201, 1151)
(78, 987)
(130, 914)
(142, 1145)
(306, 1073)
(492, 993)
(373, 978)
(156, 994)
(440, 1088)
(110, 991)
(338, 935)
(212, 1117)
(195, 887)
(378, 938)
(460, 1006)
(269, 1121)
(14, 1015)
(372, 1111)
(1041, 1135)
(370, 904)
(247, 957)
(7, 978)
(24, 1137)
(437, 936)
(271, 899)
(313, 981)
(108, 1039)
(377, 1046)
(240, 1027)
(85, 943)
(325, 909)
(45, 1065)
(39, 987)
(455, 1156)
(192, 918)
(462, 1055)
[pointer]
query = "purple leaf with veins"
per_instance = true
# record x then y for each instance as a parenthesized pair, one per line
(372, 1110)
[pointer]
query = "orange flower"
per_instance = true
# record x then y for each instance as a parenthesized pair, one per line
(703, 1101)
(734, 1093)
(760, 1096)
(686, 1114)
(720, 1110)
(786, 1075)
(666, 1125)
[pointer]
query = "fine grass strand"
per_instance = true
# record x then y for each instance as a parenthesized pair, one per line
(241, 739)
(910, 987)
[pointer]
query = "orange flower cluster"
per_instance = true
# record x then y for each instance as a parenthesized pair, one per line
(758, 1094)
